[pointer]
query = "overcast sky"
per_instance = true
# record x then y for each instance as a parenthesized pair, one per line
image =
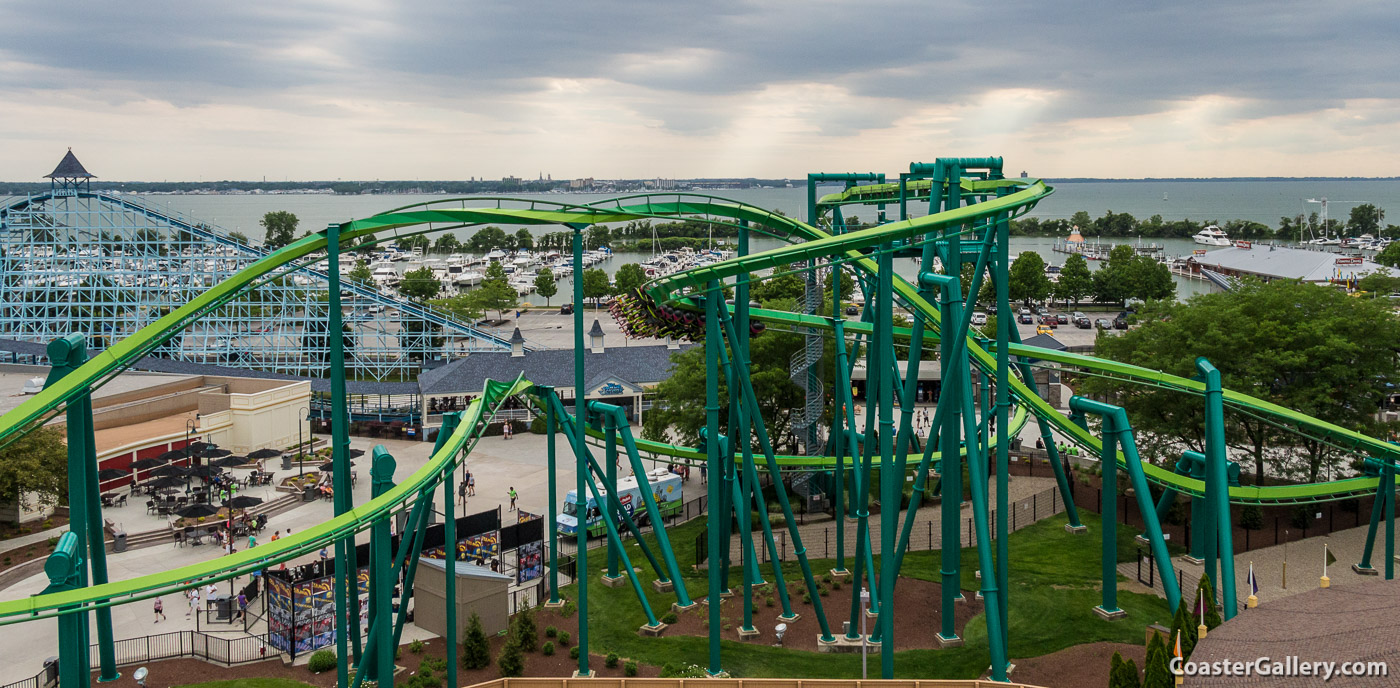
(450, 89)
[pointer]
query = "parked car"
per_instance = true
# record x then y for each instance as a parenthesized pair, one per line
(1026, 318)
(1121, 322)
(1063, 318)
(1049, 320)
(1041, 329)
(1042, 311)
(979, 318)
(1077, 316)
(1103, 323)
(852, 310)
(1082, 322)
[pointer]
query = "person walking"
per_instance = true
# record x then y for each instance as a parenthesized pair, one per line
(462, 493)
(160, 610)
(243, 604)
(512, 495)
(194, 601)
(471, 484)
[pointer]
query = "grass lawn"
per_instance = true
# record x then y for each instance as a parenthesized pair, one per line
(1054, 585)
(250, 683)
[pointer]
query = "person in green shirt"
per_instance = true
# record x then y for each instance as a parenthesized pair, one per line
(512, 495)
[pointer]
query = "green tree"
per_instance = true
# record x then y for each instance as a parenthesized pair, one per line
(494, 293)
(420, 284)
(524, 239)
(525, 633)
(1309, 348)
(781, 284)
(281, 228)
(545, 285)
(598, 235)
(1114, 282)
(511, 661)
(1076, 281)
(463, 307)
(488, 239)
(1184, 628)
(595, 285)
(1157, 670)
(417, 241)
(1379, 283)
(1365, 219)
(629, 277)
(34, 467)
(1026, 280)
(360, 274)
(1390, 256)
(848, 285)
(677, 416)
(1125, 676)
(238, 238)
(1149, 280)
(447, 243)
(476, 649)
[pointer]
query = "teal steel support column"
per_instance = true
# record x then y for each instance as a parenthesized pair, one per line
(381, 584)
(340, 458)
(1001, 265)
(67, 354)
(663, 541)
(712, 451)
(950, 474)
(610, 458)
(550, 430)
(1373, 467)
(64, 569)
(842, 401)
(449, 541)
(891, 480)
(1109, 515)
(1388, 478)
(580, 457)
(1116, 424)
(1217, 486)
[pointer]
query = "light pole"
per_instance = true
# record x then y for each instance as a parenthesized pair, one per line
(301, 446)
(864, 639)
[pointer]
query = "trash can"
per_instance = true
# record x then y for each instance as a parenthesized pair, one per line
(119, 541)
(286, 462)
(223, 608)
(51, 671)
(308, 494)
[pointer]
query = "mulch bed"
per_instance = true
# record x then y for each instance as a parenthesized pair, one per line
(917, 617)
(1075, 667)
(14, 530)
(15, 557)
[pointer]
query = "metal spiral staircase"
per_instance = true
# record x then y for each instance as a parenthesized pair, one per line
(806, 421)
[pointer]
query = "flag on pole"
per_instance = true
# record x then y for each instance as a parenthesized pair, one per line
(1201, 605)
(1177, 650)
(1331, 558)
(1253, 583)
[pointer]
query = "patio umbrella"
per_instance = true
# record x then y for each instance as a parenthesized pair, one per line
(196, 510)
(229, 461)
(243, 502)
(168, 481)
(143, 464)
(173, 455)
(171, 472)
(111, 474)
(197, 447)
(356, 453)
(205, 471)
(217, 453)
(265, 454)
(329, 466)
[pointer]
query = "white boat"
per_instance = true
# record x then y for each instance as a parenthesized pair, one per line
(468, 278)
(384, 273)
(1211, 236)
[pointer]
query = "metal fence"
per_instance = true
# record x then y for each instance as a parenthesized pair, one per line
(211, 648)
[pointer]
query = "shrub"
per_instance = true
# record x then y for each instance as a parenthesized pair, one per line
(551, 632)
(768, 601)
(573, 652)
(423, 679)
(611, 660)
(548, 648)
(431, 663)
(836, 584)
(1251, 517)
(823, 591)
(416, 647)
(476, 650)
(629, 668)
(321, 660)
(670, 670)
(511, 661)
(1301, 517)
(564, 637)
(568, 609)
(669, 618)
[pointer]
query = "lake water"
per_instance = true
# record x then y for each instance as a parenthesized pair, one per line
(1262, 201)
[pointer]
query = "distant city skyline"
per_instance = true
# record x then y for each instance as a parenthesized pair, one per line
(362, 90)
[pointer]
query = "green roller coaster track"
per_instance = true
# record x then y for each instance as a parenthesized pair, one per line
(1000, 200)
